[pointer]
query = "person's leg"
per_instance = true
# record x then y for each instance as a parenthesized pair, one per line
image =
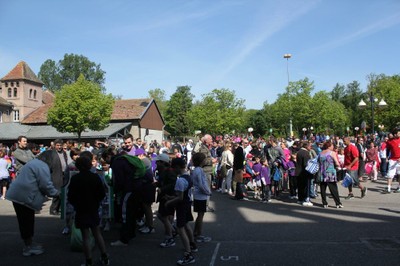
(101, 244)
(198, 225)
(323, 186)
(87, 249)
(185, 239)
(229, 174)
(148, 213)
(26, 222)
(128, 226)
(333, 188)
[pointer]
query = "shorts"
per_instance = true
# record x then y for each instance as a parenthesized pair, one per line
(163, 211)
(200, 205)
(87, 220)
(4, 182)
(394, 168)
(183, 214)
(354, 176)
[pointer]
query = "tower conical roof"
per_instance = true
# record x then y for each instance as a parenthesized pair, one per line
(22, 71)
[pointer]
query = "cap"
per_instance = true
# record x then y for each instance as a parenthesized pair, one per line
(139, 152)
(163, 157)
(249, 156)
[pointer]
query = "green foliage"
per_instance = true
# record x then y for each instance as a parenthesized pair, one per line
(80, 106)
(159, 96)
(67, 71)
(176, 112)
(218, 112)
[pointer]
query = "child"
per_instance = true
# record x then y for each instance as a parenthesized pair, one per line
(292, 177)
(257, 178)
(4, 174)
(200, 195)
(182, 204)
(265, 181)
(85, 193)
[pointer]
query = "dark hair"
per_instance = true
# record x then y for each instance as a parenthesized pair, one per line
(83, 163)
(127, 136)
(198, 158)
(326, 144)
(21, 137)
(178, 163)
(74, 151)
(47, 157)
(86, 154)
(58, 141)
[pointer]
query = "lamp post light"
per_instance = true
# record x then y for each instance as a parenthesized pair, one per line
(287, 56)
(304, 132)
(372, 101)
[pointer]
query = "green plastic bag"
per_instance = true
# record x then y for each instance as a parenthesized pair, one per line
(76, 239)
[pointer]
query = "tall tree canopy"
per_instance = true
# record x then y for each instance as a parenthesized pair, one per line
(218, 112)
(176, 111)
(80, 106)
(67, 70)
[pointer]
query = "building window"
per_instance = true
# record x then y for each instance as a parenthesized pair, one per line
(17, 83)
(30, 93)
(6, 84)
(12, 84)
(9, 93)
(15, 92)
(34, 94)
(16, 115)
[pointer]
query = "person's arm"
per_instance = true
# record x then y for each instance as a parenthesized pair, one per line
(202, 182)
(45, 184)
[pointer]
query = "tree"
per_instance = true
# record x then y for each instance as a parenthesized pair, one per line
(80, 106)
(218, 112)
(67, 71)
(159, 96)
(176, 111)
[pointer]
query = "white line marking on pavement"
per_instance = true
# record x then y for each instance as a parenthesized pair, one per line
(215, 254)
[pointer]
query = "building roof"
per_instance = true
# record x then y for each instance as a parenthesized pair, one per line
(130, 109)
(11, 131)
(22, 72)
(48, 97)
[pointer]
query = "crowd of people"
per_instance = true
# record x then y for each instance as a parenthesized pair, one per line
(93, 186)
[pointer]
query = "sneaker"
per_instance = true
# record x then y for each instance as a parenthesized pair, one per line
(340, 206)
(209, 209)
(65, 231)
(147, 230)
(118, 243)
(364, 192)
(350, 196)
(187, 259)
(397, 190)
(105, 260)
(307, 204)
(386, 191)
(169, 242)
(325, 206)
(203, 239)
(32, 250)
(193, 247)
(140, 222)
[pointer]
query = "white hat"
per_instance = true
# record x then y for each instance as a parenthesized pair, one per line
(190, 140)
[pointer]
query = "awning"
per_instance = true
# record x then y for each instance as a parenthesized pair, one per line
(11, 131)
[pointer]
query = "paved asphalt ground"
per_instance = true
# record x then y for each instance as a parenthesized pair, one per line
(365, 232)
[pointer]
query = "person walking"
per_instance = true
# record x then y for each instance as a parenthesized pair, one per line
(351, 158)
(85, 193)
(28, 192)
(303, 176)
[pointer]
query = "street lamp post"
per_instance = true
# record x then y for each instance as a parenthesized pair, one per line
(372, 100)
(287, 56)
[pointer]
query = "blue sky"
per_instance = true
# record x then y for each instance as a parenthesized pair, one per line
(235, 44)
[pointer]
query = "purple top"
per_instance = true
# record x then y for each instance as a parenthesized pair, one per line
(257, 169)
(265, 174)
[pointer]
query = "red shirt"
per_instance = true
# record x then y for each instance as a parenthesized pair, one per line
(393, 145)
(350, 153)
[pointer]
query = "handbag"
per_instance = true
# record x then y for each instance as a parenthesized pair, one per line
(368, 167)
(347, 180)
(312, 165)
(76, 242)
